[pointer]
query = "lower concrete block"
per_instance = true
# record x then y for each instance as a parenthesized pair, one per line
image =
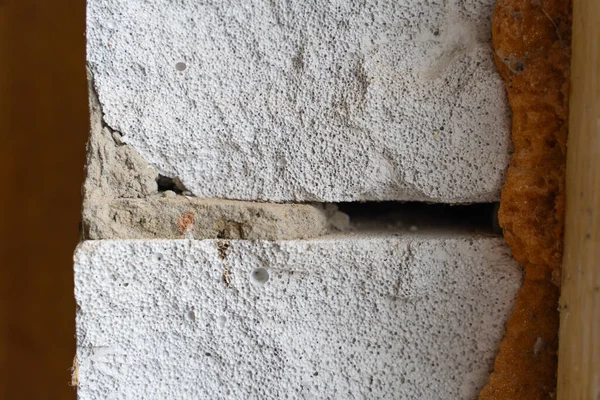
(416, 316)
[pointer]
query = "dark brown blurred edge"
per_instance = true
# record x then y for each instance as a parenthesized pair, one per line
(44, 127)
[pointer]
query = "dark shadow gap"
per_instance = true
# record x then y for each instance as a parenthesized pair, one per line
(166, 183)
(415, 216)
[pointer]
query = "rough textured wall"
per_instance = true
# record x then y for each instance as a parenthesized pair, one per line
(203, 102)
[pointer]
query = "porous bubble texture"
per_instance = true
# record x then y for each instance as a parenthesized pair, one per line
(407, 317)
(316, 100)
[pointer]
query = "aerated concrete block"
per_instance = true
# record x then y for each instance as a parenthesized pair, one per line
(338, 100)
(415, 316)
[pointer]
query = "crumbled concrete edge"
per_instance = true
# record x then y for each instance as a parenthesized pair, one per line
(121, 200)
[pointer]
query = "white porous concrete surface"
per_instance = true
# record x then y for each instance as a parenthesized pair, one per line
(407, 317)
(337, 100)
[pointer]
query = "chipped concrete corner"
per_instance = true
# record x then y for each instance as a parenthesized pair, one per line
(114, 170)
(122, 201)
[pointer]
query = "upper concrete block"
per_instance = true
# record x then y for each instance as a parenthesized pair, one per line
(306, 100)
(407, 317)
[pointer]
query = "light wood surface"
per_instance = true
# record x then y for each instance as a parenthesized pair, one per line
(579, 346)
(43, 130)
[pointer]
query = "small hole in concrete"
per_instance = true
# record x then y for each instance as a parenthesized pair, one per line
(166, 183)
(180, 66)
(157, 257)
(259, 276)
(191, 315)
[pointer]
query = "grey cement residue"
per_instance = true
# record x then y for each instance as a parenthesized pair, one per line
(160, 217)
